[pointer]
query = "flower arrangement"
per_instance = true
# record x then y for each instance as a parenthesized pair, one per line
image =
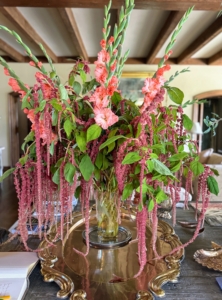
(85, 136)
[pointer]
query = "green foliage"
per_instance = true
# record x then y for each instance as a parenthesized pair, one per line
(6, 174)
(197, 168)
(86, 167)
(175, 94)
(69, 172)
(149, 144)
(187, 122)
(131, 158)
(212, 123)
(93, 132)
(212, 185)
(110, 140)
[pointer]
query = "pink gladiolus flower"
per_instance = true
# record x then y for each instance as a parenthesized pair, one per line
(112, 85)
(103, 44)
(6, 72)
(32, 63)
(39, 64)
(161, 71)
(105, 117)
(14, 84)
(101, 73)
(103, 57)
(111, 40)
(39, 75)
(100, 98)
(113, 67)
(151, 86)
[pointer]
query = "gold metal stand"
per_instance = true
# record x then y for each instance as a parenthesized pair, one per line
(109, 273)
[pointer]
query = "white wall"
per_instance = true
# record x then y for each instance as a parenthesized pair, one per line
(200, 79)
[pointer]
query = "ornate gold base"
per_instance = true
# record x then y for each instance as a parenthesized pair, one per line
(109, 273)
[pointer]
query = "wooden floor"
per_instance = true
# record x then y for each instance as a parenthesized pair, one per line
(8, 203)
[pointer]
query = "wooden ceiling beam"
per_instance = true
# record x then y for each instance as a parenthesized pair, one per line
(215, 59)
(11, 52)
(214, 5)
(210, 33)
(73, 30)
(130, 60)
(14, 15)
(170, 24)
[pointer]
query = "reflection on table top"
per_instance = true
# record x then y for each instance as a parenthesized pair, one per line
(195, 282)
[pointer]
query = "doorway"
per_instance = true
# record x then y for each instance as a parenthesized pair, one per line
(200, 111)
(19, 127)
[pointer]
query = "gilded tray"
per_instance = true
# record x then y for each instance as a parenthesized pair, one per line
(109, 273)
(212, 259)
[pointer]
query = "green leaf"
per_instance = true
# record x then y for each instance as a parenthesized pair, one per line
(127, 191)
(150, 165)
(106, 163)
(56, 176)
(97, 174)
(137, 169)
(111, 147)
(81, 140)
(42, 105)
(187, 122)
(93, 132)
(86, 167)
(178, 156)
(29, 138)
(145, 188)
(68, 127)
(77, 87)
(138, 131)
(215, 171)
(131, 158)
(212, 185)
(51, 149)
(6, 174)
(77, 192)
(153, 155)
(71, 79)
(56, 105)
(54, 117)
(150, 205)
(160, 147)
(99, 160)
(23, 159)
(176, 167)
(69, 172)
(175, 94)
(196, 167)
(25, 102)
(161, 168)
(161, 196)
(111, 140)
(116, 98)
(63, 92)
(83, 75)
(59, 162)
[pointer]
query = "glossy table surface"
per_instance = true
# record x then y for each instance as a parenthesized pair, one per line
(195, 282)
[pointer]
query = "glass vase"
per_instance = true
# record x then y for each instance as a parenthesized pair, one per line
(107, 215)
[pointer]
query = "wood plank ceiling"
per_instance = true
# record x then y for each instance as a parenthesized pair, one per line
(71, 21)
